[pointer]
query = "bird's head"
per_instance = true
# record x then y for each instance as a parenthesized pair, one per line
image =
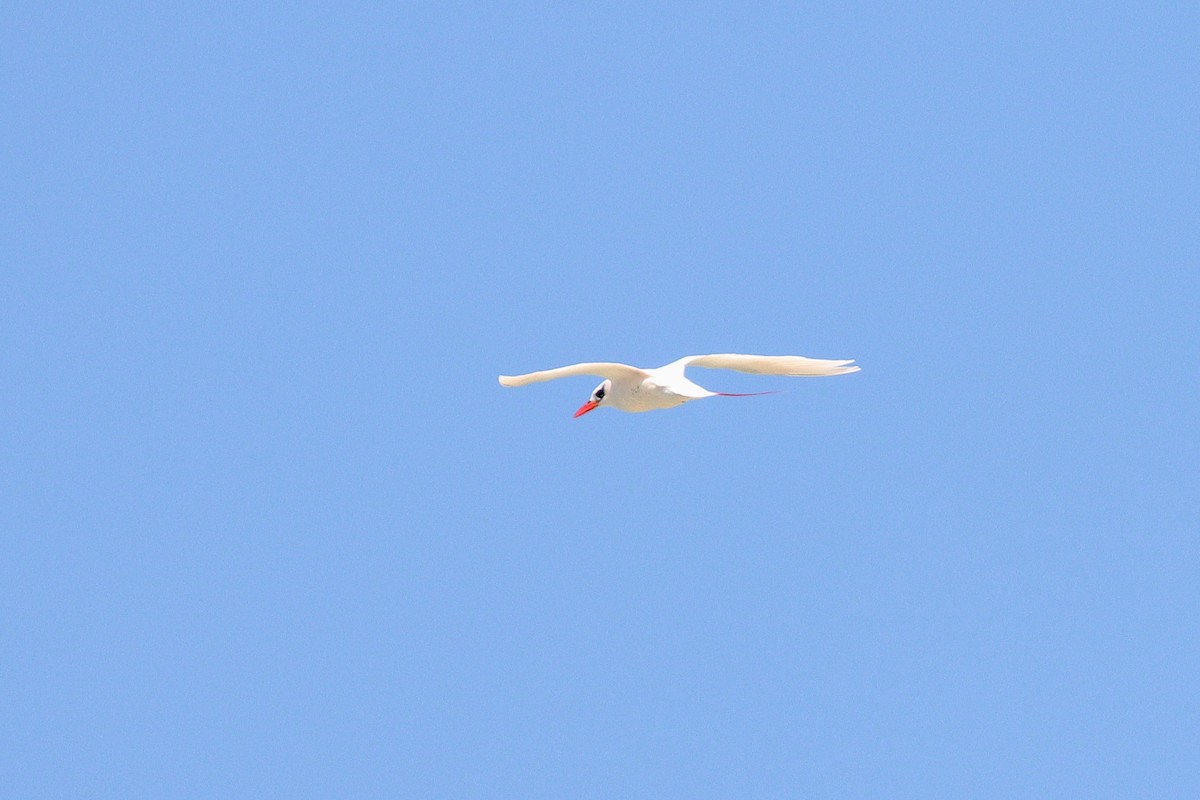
(599, 394)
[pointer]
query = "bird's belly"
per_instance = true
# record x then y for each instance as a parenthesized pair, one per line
(648, 398)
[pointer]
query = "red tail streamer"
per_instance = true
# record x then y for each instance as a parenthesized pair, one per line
(748, 394)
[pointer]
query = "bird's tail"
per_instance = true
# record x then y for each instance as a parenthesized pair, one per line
(745, 394)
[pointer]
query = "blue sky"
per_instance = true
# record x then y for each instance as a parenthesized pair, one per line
(273, 530)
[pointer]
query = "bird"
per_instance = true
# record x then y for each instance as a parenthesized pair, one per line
(635, 390)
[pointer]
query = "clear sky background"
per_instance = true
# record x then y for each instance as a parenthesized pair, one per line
(272, 529)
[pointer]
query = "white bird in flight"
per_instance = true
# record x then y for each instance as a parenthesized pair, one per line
(631, 389)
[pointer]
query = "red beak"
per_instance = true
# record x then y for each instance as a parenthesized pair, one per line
(586, 407)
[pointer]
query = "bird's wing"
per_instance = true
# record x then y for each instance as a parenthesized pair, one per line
(768, 365)
(601, 369)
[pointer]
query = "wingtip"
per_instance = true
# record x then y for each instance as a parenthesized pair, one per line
(505, 380)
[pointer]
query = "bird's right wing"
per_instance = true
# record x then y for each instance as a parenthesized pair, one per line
(769, 365)
(601, 369)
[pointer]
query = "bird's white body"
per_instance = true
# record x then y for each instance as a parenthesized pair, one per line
(632, 389)
(657, 390)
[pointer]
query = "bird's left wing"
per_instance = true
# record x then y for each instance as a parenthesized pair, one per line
(768, 365)
(601, 369)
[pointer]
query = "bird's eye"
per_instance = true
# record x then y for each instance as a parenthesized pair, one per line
(599, 394)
